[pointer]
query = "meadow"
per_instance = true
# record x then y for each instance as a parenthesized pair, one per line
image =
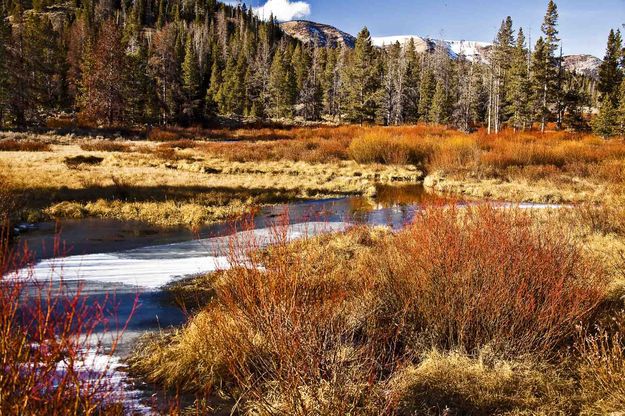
(194, 176)
(467, 310)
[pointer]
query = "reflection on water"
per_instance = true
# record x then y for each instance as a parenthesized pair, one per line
(392, 206)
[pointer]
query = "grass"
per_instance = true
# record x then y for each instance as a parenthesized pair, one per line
(11, 145)
(473, 311)
(175, 184)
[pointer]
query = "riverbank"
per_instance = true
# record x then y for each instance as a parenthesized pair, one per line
(174, 186)
(480, 310)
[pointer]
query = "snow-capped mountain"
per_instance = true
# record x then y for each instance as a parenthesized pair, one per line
(326, 35)
(472, 50)
(322, 35)
(583, 64)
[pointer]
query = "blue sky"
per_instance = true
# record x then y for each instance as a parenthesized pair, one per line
(584, 24)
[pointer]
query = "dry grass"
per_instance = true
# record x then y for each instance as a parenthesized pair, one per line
(346, 324)
(105, 146)
(190, 185)
(11, 145)
(454, 383)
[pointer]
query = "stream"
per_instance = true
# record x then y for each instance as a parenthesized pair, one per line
(134, 260)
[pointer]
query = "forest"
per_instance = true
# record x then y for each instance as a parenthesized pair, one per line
(108, 63)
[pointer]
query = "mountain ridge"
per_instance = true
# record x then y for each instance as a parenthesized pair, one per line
(325, 35)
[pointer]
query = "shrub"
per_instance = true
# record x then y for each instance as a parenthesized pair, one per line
(602, 369)
(325, 325)
(12, 145)
(48, 335)
(384, 147)
(73, 162)
(105, 146)
(456, 384)
(483, 276)
(604, 218)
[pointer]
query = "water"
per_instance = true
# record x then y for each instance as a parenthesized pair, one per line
(134, 260)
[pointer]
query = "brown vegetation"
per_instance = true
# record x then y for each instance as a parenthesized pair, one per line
(11, 145)
(48, 334)
(474, 311)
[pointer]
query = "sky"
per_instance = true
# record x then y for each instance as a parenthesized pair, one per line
(584, 24)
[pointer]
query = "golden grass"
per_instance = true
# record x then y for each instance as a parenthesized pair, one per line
(455, 383)
(175, 184)
(472, 312)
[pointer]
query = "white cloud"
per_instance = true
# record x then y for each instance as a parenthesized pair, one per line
(283, 10)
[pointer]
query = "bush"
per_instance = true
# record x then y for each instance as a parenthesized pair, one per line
(483, 276)
(324, 325)
(73, 162)
(48, 335)
(384, 147)
(602, 369)
(105, 146)
(456, 384)
(12, 145)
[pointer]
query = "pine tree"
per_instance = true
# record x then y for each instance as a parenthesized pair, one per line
(620, 121)
(519, 89)
(213, 89)
(540, 81)
(546, 78)
(104, 84)
(281, 86)
(610, 73)
(411, 87)
(427, 88)
(164, 68)
(191, 79)
(362, 81)
(500, 67)
(605, 123)
(439, 111)
(5, 39)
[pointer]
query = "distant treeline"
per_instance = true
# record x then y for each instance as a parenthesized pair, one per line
(124, 63)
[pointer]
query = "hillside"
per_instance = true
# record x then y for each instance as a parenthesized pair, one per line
(312, 32)
(583, 64)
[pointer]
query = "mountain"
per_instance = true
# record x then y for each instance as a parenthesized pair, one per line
(323, 35)
(472, 50)
(326, 35)
(583, 64)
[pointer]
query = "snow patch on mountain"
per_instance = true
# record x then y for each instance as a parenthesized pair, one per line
(472, 50)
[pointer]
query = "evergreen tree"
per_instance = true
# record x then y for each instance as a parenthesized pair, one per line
(104, 84)
(620, 121)
(500, 67)
(5, 39)
(427, 88)
(191, 80)
(547, 65)
(281, 86)
(519, 88)
(439, 111)
(411, 81)
(610, 73)
(362, 81)
(605, 123)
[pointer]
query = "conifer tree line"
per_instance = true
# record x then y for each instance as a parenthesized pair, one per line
(135, 62)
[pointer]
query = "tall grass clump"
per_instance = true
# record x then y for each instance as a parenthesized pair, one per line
(486, 277)
(387, 147)
(12, 145)
(49, 335)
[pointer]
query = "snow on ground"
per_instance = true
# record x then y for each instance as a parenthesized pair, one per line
(153, 267)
